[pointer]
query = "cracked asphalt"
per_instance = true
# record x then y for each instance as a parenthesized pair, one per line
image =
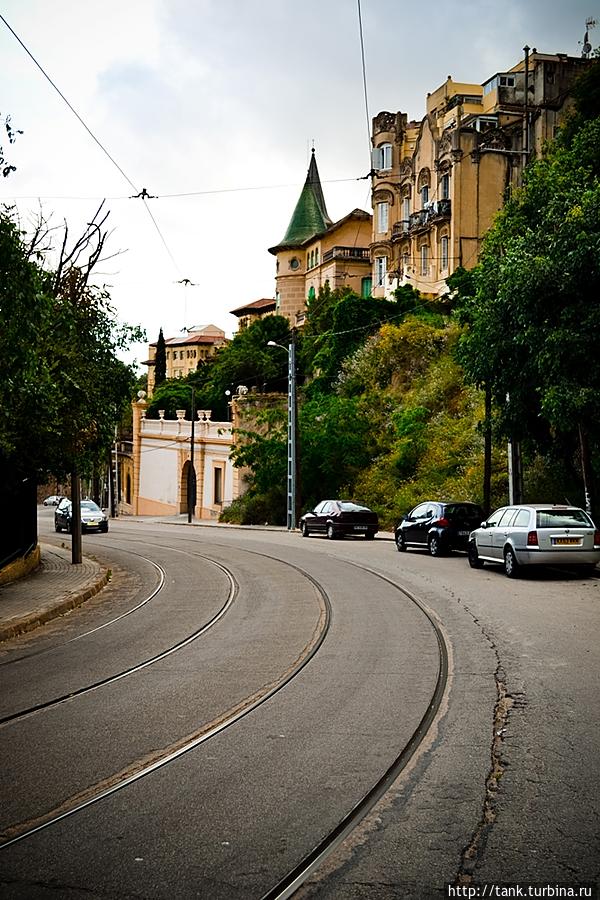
(505, 787)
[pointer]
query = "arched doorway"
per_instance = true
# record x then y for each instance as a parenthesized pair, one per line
(184, 484)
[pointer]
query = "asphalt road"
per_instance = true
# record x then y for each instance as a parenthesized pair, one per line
(503, 787)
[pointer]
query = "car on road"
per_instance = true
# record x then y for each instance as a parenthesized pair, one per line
(92, 517)
(53, 500)
(534, 535)
(338, 518)
(438, 526)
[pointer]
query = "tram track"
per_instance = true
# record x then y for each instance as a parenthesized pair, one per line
(287, 885)
(145, 766)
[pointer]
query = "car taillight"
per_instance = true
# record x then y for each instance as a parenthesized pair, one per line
(532, 539)
(597, 537)
(443, 522)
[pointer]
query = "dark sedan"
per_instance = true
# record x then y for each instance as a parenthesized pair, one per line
(438, 527)
(337, 518)
(92, 517)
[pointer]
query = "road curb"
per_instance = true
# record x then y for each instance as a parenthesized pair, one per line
(30, 621)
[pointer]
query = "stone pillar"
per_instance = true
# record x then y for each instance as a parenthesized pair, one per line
(139, 414)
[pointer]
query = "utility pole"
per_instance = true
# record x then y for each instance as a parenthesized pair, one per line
(191, 481)
(76, 554)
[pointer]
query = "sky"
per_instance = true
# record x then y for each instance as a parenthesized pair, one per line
(222, 100)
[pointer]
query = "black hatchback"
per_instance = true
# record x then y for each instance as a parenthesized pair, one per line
(439, 527)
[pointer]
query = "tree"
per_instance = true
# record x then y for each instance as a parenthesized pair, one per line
(65, 386)
(5, 167)
(534, 323)
(160, 360)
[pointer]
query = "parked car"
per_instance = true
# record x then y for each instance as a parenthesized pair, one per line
(53, 500)
(538, 534)
(337, 518)
(439, 527)
(92, 517)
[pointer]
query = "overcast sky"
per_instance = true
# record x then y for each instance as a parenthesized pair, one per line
(226, 97)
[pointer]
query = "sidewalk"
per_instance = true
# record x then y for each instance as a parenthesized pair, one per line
(54, 588)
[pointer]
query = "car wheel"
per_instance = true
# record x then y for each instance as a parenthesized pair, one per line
(400, 543)
(511, 566)
(57, 527)
(435, 545)
(304, 529)
(588, 569)
(473, 555)
(68, 528)
(331, 533)
(369, 536)
(104, 529)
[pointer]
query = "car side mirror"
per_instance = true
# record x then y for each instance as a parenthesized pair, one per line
(484, 525)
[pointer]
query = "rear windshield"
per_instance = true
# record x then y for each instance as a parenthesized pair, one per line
(346, 506)
(563, 518)
(464, 511)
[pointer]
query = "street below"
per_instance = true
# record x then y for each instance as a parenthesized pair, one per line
(214, 713)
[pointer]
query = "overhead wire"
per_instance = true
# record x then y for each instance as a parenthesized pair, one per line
(90, 132)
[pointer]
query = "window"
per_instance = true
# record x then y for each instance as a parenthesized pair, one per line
(424, 195)
(445, 186)
(316, 256)
(383, 216)
(506, 517)
(522, 519)
(382, 157)
(380, 270)
(507, 81)
(311, 293)
(366, 286)
(495, 518)
(406, 209)
(218, 485)
(444, 253)
(424, 259)
(405, 262)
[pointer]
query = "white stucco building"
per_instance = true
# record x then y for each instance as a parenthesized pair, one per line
(161, 460)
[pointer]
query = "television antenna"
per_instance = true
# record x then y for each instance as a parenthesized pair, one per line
(586, 48)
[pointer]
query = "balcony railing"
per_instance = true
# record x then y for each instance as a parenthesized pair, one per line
(433, 212)
(358, 254)
(399, 229)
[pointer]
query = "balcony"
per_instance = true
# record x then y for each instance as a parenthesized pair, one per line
(400, 229)
(436, 211)
(352, 254)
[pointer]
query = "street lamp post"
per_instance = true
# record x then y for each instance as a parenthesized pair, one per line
(191, 481)
(291, 432)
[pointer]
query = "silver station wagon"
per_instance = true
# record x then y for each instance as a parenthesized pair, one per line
(537, 534)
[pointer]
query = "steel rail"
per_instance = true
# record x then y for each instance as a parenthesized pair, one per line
(295, 878)
(161, 581)
(125, 673)
(305, 657)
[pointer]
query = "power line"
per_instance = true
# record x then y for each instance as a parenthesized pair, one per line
(73, 110)
(263, 187)
(364, 77)
(142, 194)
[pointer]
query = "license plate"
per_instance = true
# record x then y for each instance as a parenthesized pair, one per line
(91, 522)
(360, 527)
(464, 533)
(569, 542)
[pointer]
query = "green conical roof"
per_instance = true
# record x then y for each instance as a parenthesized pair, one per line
(310, 216)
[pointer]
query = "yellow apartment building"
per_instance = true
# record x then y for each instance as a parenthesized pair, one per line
(438, 183)
(185, 352)
(316, 251)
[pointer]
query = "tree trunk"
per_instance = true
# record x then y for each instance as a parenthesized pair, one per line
(487, 452)
(75, 519)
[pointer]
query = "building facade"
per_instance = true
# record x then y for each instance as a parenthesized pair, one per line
(316, 251)
(251, 312)
(162, 458)
(438, 183)
(184, 353)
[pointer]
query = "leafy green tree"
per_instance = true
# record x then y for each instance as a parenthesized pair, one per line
(65, 387)
(534, 323)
